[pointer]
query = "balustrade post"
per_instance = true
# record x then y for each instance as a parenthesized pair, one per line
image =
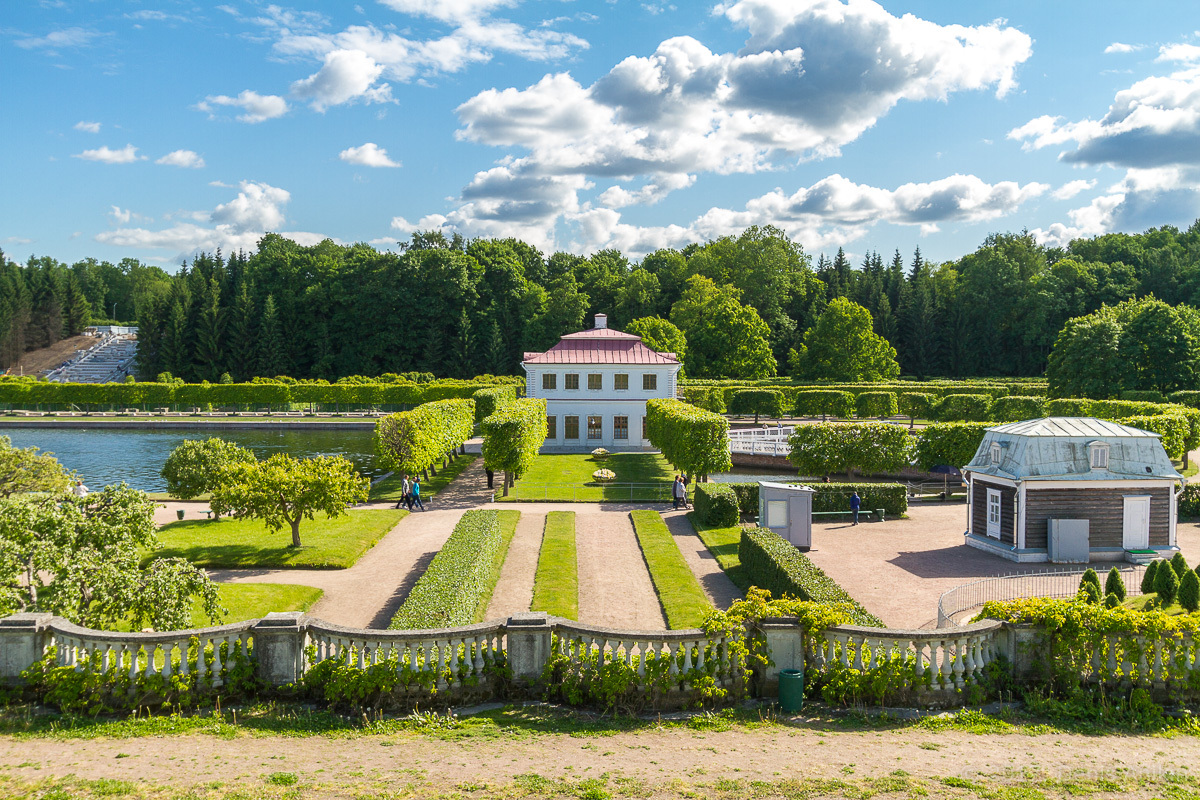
(23, 640)
(785, 645)
(528, 645)
(279, 647)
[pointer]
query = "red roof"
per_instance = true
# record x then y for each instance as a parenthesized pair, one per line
(600, 346)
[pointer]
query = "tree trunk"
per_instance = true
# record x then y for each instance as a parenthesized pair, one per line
(432, 469)
(505, 482)
(295, 532)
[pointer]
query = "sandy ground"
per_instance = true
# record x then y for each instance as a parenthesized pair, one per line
(716, 584)
(897, 569)
(514, 589)
(615, 590)
(770, 754)
(48, 358)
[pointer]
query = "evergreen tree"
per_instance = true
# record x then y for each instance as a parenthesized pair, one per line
(270, 342)
(1114, 585)
(494, 361)
(1148, 577)
(1179, 564)
(463, 358)
(175, 357)
(240, 345)
(210, 353)
(78, 311)
(1166, 584)
(1189, 592)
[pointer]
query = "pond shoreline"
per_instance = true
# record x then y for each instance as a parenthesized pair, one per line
(208, 423)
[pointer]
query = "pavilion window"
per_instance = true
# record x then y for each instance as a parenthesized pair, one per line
(571, 426)
(620, 427)
(572, 380)
(595, 381)
(595, 428)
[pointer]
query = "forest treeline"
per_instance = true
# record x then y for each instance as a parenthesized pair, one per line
(459, 308)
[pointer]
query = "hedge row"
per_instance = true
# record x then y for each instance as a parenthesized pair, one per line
(413, 441)
(717, 505)
(457, 579)
(131, 395)
(823, 448)
(891, 497)
(776, 565)
(490, 399)
(513, 435)
(765, 402)
(693, 440)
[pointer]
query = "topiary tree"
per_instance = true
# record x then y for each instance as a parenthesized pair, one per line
(768, 402)
(1089, 592)
(1180, 565)
(916, 404)
(691, 439)
(1189, 592)
(822, 448)
(876, 404)
(1148, 578)
(1114, 585)
(1111, 601)
(1166, 585)
(512, 437)
(1090, 576)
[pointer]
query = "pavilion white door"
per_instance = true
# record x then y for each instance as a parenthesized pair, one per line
(1136, 529)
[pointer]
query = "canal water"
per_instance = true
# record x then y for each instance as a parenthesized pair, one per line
(104, 457)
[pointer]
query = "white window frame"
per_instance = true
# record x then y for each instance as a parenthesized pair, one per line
(1098, 455)
(994, 512)
(995, 451)
(599, 382)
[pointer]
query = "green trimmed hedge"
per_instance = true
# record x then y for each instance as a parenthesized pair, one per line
(764, 402)
(891, 497)
(413, 441)
(709, 398)
(876, 404)
(454, 585)
(716, 504)
(951, 443)
(1191, 399)
(1068, 407)
(964, 408)
(1017, 407)
(490, 399)
(917, 404)
(774, 564)
(822, 448)
(823, 403)
(512, 436)
(693, 440)
(1144, 395)
(1173, 428)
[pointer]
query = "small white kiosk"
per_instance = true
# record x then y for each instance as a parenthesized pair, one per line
(786, 508)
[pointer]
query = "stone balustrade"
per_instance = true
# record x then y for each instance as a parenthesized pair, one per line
(940, 659)
(682, 650)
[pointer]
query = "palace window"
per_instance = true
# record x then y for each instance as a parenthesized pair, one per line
(595, 428)
(551, 427)
(571, 424)
(621, 380)
(595, 381)
(620, 427)
(649, 382)
(572, 381)
(549, 380)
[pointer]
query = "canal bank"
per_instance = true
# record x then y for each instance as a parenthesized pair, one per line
(188, 423)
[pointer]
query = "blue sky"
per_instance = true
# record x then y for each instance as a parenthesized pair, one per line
(154, 129)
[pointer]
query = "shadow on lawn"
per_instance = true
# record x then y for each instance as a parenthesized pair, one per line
(240, 556)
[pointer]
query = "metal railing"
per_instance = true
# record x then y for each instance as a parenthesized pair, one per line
(593, 492)
(761, 441)
(1050, 583)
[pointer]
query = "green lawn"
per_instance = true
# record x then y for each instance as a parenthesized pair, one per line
(1140, 602)
(388, 489)
(683, 601)
(568, 477)
(253, 600)
(231, 543)
(556, 587)
(723, 544)
(508, 528)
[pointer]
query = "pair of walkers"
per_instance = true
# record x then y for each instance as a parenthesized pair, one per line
(410, 494)
(679, 491)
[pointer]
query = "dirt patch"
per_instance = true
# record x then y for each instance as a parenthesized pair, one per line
(48, 358)
(615, 590)
(514, 590)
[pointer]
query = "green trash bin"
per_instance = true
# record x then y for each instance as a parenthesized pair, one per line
(791, 690)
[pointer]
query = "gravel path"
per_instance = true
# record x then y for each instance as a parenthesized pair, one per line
(615, 590)
(716, 584)
(367, 594)
(514, 590)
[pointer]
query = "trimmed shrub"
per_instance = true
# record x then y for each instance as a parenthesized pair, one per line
(705, 397)
(950, 443)
(767, 402)
(454, 584)
(1173, 428)
(1016, 408)
(1090, 592)
(1188, 398)
(716, 504)
(1180, 565)
(1111, 409)
(891, 497)
(1148, 577)
(1143, 395)
(876, 404)
(824, 403)
(776, 565)
(1090, 576)
(917, 404)
(1115, 585)
(491, 399)
(1189, 592)
(825, 447)
(1166, 584)
(1189, 501)
(513, 435)
(747, 496)
(1069, 407)
(1111, 601)
(413, 441)
(691, 439)
(964, 408)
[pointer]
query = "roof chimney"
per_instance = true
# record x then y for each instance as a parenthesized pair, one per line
(601, 321)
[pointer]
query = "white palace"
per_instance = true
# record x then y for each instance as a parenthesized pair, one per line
(596, 384)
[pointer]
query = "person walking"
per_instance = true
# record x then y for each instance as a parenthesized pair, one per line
(855, 505)
(404, 490)
(416, 495)
(685, 480)
(677, 492)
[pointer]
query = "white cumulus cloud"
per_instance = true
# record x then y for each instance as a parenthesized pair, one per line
(182, 158)
(105, 155)
(367, 155)
(87, 127)
(1072, 188)
(346, 75)
(1121, 47)
(257, 107)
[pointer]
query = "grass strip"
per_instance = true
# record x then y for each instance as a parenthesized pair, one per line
(240, 543)
(556, 587)
(683, 601)
(723, 542)
(390, 489)
(250, 601)
(567, 477)
(459, 581)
